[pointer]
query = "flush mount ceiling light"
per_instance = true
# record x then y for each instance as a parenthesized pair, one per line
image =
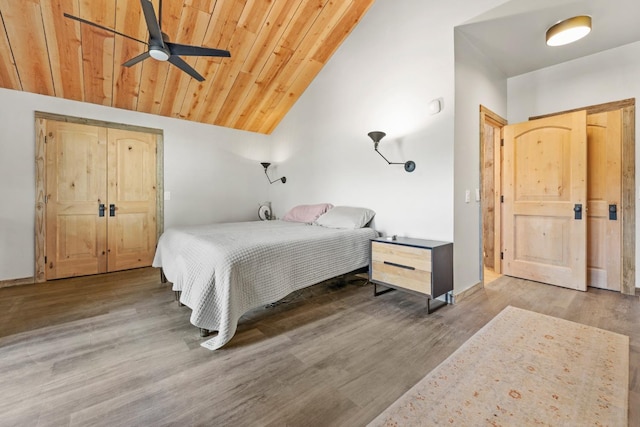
(569, 30)
(376, 136)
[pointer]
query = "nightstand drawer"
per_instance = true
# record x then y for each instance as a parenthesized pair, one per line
(402, 275)
(417, 258)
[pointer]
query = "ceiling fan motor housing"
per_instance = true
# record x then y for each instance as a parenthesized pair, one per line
(159, 53)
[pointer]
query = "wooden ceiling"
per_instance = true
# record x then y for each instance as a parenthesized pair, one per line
(277, 48)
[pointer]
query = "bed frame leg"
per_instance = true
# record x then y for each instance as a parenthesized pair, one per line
(163, 278)
(177, 296)
(204, 332)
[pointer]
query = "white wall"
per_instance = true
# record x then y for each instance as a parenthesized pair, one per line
(398, 59)
(478, 82)
(607, 76)
(213, 173)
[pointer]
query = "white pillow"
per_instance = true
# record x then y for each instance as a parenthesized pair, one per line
(345, 217)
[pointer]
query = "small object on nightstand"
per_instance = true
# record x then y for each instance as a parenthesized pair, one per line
(264, 211)
(419, 266)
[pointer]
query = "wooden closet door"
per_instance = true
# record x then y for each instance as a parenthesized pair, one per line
(76, 185)
(604, 133)
(545, 178)
(132, 199)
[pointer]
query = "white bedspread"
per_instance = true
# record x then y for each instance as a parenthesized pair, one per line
(225, 270)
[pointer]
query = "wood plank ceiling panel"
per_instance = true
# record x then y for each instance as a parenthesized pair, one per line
(224, 22)
(65, 48)
(24, 27)
(260, 57)
(326, 44)
(302, 64)
(130, 21)
(277, 49)
(228, 83)
(268, 32)
(177, 83)
(290, 45)
(9, 78)
(97, 50)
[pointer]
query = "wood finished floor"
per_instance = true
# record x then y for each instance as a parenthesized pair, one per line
(117, 350)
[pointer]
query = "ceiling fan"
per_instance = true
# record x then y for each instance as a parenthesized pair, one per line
(159, 46)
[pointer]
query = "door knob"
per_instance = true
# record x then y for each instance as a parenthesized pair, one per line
(577, 209)
(101, 209)
(613, 212)
(112, 210)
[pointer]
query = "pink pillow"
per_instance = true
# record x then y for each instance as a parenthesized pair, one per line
(306, 213)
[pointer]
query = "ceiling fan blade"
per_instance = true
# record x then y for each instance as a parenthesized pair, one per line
(152, 22)
(136, 59)
(84, 21)
(186, 50)
(179, 62)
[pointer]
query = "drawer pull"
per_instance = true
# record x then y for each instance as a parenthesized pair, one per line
(399, 265)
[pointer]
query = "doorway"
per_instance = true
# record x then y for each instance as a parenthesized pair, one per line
(491, 125)
(492, 167)
(99, 204)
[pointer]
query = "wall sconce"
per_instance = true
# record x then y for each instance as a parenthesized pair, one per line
(376, 136)
(265, 165)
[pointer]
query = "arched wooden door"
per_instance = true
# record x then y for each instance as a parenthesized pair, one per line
(545, 200)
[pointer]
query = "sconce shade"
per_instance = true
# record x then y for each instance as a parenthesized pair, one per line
(376, 135)
(265, 165)
(569, 30)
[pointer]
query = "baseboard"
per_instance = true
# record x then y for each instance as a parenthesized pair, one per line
(17, 282)
(467, 292)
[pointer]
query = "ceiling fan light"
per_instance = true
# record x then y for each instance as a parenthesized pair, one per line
(569, 30)
(158, 53)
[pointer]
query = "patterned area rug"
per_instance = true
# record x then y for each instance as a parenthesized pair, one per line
(523, 368)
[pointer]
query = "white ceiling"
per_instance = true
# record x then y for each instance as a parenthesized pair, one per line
(513, 34)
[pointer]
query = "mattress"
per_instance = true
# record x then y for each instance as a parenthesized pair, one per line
(225, 270)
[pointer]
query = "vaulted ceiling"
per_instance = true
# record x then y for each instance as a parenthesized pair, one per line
(277, 48)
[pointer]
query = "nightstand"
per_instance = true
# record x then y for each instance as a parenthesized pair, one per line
(423, 267)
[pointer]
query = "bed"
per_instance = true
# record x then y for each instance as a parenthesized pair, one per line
(224, 270)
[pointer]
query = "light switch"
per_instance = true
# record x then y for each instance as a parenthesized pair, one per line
(477, 194)
(167, 195)
(467, 196)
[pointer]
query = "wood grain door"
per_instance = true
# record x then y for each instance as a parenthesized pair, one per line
(604, 136)
(545, 178)
(132, 199)
(76, 186)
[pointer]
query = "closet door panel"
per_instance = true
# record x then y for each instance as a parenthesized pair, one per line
(132, 199)
(75, 188)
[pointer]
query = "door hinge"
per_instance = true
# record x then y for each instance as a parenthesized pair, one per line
(46, 199)
(46, 139)
(501, 142)
(45, 259)
(501, 255)
(501, 199)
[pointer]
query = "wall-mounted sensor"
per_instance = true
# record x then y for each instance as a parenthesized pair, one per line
(435, 106)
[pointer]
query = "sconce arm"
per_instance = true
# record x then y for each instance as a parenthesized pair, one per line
(387, 160)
